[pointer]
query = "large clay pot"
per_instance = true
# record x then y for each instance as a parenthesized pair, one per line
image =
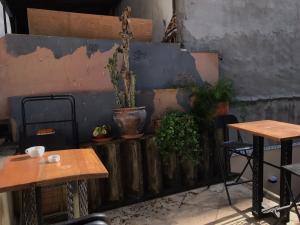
(131, 121)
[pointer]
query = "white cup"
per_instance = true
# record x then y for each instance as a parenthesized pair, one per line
(35, 151)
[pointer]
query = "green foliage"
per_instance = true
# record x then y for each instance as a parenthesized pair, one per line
(204, 102)
(223, 90)
(115, 77)
(123, 98)
(178, 133)
(101, 130)
(207, 97)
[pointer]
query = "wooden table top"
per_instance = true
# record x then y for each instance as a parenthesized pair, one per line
(20, 171)
(275, 130)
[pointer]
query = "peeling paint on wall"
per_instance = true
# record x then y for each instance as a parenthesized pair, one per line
(31, 65)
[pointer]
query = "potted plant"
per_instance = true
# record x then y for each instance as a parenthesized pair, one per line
(223, 93)
(129, 118)
(102, 133)
(209, 100)
(177, 139)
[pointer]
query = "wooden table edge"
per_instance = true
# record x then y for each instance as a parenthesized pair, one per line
(52, 182)
(255, 134)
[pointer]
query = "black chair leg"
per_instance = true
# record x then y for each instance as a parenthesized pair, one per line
(294, 204)
(294, 201)
(223, 167)
(245, 167)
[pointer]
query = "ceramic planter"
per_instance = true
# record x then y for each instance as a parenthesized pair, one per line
(222, 108)
(131, 121)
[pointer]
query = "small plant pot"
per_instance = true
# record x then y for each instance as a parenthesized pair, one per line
(222, 109)
(102, 138)
(131, 121)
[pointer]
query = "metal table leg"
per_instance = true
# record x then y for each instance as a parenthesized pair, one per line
(83, 198)
(258, 174)
(77, 199)
(29, 209)
(286, 159)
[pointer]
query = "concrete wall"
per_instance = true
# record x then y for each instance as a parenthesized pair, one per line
(31, 65)
(258, 41)
(160, 11)
(41, 65)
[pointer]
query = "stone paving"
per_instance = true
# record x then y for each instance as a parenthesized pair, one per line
(197, 207)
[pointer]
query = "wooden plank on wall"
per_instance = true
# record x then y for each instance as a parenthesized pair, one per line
(68, 24)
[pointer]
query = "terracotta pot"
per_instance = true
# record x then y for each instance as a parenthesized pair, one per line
(222, 109)
(131, 121)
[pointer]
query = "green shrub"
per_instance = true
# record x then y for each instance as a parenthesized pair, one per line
(178, 133)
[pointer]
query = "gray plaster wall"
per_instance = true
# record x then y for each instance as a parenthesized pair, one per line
(160, 11)
(258, 41)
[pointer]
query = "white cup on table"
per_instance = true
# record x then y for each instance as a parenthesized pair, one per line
(35, 151)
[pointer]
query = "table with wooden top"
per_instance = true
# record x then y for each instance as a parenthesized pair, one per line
(276, 131)
(27, 174)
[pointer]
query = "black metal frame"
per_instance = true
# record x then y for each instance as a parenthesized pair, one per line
(90, 219)
(285, 180)
(258, 174)
(285, 209)
(72, 120)
(230, 148)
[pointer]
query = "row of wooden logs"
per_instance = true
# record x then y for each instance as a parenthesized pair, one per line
(136, 169)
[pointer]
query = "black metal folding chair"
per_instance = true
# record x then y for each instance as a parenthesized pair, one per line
(230, 148)
(93, 219)
(55, 141)
(295, 201)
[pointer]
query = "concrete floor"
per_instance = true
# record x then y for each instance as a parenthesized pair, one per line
(197, 207)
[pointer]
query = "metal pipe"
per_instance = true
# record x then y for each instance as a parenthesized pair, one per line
(4, 18)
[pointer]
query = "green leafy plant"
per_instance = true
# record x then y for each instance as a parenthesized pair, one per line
(103, 130)
(223, 91)
(205, 98)
(178, 133)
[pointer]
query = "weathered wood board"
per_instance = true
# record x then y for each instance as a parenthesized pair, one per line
(68, 24)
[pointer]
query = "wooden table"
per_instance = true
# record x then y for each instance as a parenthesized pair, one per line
(277, 131)
(21, 172)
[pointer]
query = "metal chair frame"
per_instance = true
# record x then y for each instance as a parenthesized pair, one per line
(229, 149)
(93, 219)
(295, 200)
(72, 119)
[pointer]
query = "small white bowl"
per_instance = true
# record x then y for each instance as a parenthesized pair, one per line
(35, 151)
(53, 158)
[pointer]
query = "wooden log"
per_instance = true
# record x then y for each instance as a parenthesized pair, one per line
(132, 169)
(53, 199)
(69, 24)
(206, 167)
(153, 167)
(94, 195)
(190, 172)
(110, 154)
(171, 177)
(115, 184)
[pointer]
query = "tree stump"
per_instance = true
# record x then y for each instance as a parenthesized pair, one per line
(94, 195)
(115, 185)
(132, 169)
(170, 171)
(189, 172)
(153, 167)
(111, 158)
(206, 167)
